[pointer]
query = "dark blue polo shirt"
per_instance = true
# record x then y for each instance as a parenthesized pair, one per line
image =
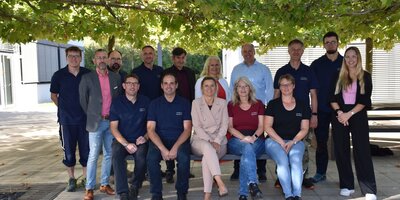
(150, 80)
(169, 116)
(326, 72)
(66, 85)
(305, 81)
(131, 117)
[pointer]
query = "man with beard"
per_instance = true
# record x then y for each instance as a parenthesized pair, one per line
(115, 63)
(96, 91)
(326, 69)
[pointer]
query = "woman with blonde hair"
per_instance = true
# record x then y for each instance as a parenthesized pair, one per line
(210, 123)
(246, 114)
(212, 68)
(351, 100)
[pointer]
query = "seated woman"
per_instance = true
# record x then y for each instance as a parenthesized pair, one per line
(246, 125)
(212, 68)
(210, 123)
(351, 100)
(286, 123)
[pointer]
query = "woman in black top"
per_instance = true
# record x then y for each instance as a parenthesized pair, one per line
(286, 122)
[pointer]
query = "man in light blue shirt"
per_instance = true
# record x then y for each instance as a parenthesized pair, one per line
(259, 74)
(261, 78)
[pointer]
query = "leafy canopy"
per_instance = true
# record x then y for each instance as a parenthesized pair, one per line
(202, 26)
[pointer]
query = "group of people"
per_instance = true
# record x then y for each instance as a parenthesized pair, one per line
(155, 114)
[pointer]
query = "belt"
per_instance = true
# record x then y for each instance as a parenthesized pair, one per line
(105, 117)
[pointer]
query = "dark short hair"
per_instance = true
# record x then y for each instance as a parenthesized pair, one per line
(115, 51)
(73, 48)
(296, 41)
(287, 77)
(206, 79)
(148, 46)
(169, 74)
(177, 51)
(330, 34)
(99, 50)
(131, 76)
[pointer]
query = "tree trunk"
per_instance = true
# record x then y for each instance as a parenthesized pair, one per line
(368, 54)
(111, 42)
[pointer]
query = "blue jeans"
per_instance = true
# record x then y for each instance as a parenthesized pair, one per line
(102, 138)
(290, 168)
(183, 167)
(119, 154)
(248, 166)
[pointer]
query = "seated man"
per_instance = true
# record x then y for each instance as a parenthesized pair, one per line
(128, 118)
(169, 126)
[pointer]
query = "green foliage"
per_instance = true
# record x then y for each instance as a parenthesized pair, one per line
(204, 26)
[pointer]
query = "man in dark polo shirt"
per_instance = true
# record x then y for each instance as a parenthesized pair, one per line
(306, 86)
(115, 63)
(149, 74)
(128, 118)
(326, 69)
(64, 90)
(186, 80)
(169, 127)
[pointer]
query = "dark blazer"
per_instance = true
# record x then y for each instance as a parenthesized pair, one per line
(191, 79)
(364, 99)
(90, 96)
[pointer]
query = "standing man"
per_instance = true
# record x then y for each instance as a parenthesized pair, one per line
(326, 68)
(115, 63)
(169, 127)
(305, 86)
(128, 118)
(261, 78)
(186, 80)
(96, 90)
(149, 74)
(64, 90)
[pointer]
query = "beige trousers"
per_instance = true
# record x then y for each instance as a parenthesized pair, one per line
(210, 162)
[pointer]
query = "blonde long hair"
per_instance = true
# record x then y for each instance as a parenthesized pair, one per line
(252, 94)
(345, 80)
(207, 66)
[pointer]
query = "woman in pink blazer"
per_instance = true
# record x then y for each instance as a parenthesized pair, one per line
(210, 123)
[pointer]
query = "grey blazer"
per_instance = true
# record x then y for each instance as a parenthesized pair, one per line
(90, 96)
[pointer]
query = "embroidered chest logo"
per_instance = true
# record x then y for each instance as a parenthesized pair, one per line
(254, 113)
(303, 78)
(179, 113)
(142, 109)
(299, 115)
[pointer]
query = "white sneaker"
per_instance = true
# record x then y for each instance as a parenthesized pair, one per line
(346, 192)
(369, 196)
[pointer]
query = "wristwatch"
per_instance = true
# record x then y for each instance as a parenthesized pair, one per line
(295, 141)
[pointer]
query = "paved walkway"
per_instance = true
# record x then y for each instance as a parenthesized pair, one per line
(30, 162)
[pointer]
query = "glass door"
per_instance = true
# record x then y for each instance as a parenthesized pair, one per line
(6, 95)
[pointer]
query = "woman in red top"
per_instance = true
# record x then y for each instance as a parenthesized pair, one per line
(246, 126)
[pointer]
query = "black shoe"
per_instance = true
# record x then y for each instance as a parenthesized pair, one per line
(297, 198)
(71, 185)
(156, 198)
(124, 196)
(235, 175)
(133, 193)
(262, 178)
(242, 197)
(277, 184)
(182, 197)
(169, 177)
(308, 184)
(191, 175)
(290, 198)
(255, 191)
(163, 174)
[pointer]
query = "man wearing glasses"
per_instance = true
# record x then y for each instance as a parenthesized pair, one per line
(64, 90)
(96, 91)
(326, 69)
(128, 118)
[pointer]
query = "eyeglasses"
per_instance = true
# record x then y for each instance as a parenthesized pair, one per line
(101, 58)
(115, 59)
(132, 83)
(243, 87)
(73, 56)
(331, 43)
(286, 85)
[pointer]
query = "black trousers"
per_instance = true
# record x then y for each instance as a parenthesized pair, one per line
(359, 129)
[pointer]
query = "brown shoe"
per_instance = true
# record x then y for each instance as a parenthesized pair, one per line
(107, 189)
(88, 195)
